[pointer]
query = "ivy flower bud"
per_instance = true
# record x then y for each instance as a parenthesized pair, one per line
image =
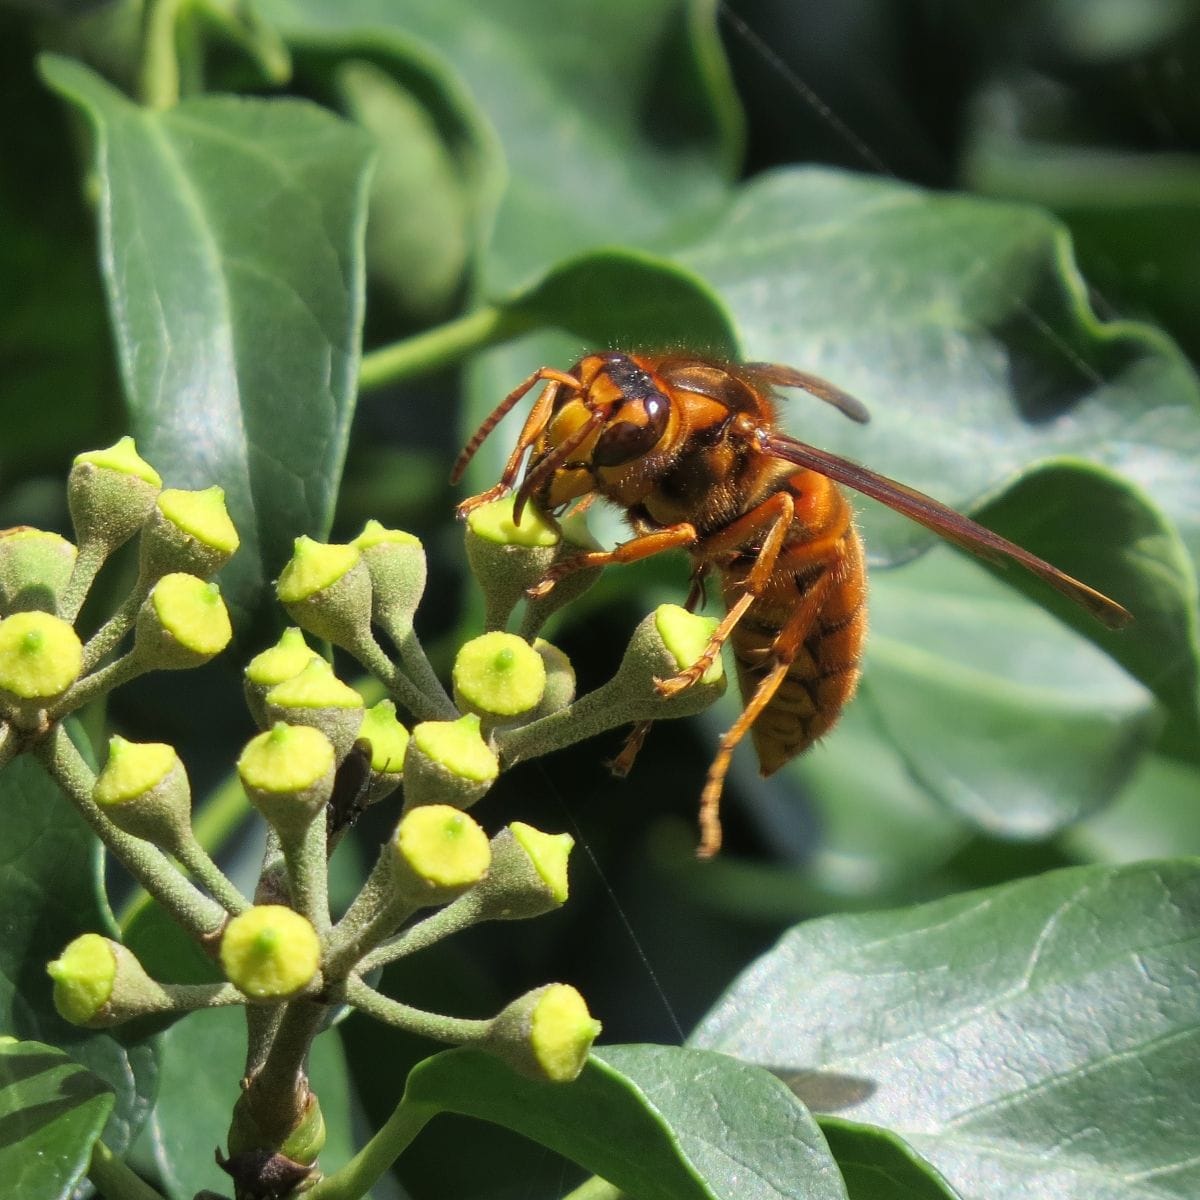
(448, 762)
(99, 983)
(389, 745)
(396, 563)
(287, 658)
(188, 531)
(498, 675)
(560, 680)
(317, 697)
(110, 493)
(40, 657)
(576, 539)
(666, 642)
(270, 952)
(545, 1034)
(183, 623)
(34, 568)
(144, 791)
(326, 590)
(438, 853)
(288, 775)
(506, 557)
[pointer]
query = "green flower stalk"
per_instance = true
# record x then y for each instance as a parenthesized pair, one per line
(448, 762)
(317, 697)
(98, 983)
(34, 569)
(110, 494)
(270, 953)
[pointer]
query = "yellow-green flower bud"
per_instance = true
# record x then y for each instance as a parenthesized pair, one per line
(438, 853)
(528, 875)
(188, 531)
(666, 642)
(389, 745)
(396, 562)
(326, 590)
(99, 983)
(289, 656)
(183, 623)
(546, 1034)
(288, 775)
(144, 790)
(448, 762)
(34, 568)
(506, 558)
(110, 494)
(270, 952)
(40, 656)
(576, 539)
(498, 675)
(317, 697)
(560, 680)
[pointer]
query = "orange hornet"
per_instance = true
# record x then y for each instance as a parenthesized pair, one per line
(689, 448)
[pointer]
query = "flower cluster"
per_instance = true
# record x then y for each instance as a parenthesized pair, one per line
(321, 756)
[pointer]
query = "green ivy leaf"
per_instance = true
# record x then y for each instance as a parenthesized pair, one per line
(1039, 1038)
(50, 892)
(614, 119)
(879, 1166)
(231, 248)
(659, 1122)
(52, 1111)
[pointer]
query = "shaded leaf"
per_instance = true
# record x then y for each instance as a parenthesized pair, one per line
(613, 119)
(50, 892)
(52, 1111)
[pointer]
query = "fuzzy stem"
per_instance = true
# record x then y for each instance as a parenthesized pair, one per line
(440, 347)
(106, 638)
(159, 77)
(364, 1170)
(114, 1180)
(402, 689)
(118, 672)
(457, 1031)
(375, 913)
(421, 672)
(307, 863)
(278, 1090)
(458, 915)
(88, 561)
(199, 915)
(198, 861)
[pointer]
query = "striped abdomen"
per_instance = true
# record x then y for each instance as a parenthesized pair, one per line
(824, 672)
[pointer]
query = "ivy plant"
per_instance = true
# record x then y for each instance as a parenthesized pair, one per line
(282, 257)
